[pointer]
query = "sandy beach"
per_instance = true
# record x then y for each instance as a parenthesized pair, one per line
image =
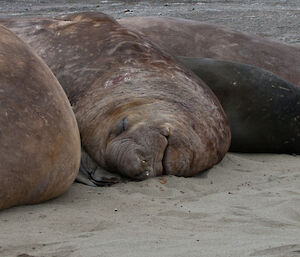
(247, 205)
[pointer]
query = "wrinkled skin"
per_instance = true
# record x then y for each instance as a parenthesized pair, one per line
(39, 137)
(181, 37)
(127, 144)
(140, 113)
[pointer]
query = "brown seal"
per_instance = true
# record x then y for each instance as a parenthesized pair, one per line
(190, 38)
(39, 137)
(140, 113)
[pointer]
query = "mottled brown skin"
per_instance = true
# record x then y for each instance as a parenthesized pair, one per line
(39, 137)
(140, 113)
(189, 38)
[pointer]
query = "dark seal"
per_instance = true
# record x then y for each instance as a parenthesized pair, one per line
(263, 110)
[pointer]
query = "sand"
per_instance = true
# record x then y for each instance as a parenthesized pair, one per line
(247, 205)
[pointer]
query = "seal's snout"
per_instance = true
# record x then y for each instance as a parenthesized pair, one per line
(178, 155)
(138, 152)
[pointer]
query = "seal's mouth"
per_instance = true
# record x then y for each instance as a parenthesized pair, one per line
(157, 168)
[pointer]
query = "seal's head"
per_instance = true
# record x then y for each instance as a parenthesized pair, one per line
(150, 139)
(136, 149)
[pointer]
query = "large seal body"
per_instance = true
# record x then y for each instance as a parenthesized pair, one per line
(263, 110)
(39, 137)
(189, 38)
(140, 113)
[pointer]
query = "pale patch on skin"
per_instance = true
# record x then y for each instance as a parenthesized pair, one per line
(59, 24)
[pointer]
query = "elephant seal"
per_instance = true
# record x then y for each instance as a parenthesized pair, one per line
(40, 144)
(263, 110)
(140, 113)
(181, 37)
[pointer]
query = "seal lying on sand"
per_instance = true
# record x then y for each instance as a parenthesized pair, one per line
(140, 113)
(39, 137)
(263, 110)
(189, 38)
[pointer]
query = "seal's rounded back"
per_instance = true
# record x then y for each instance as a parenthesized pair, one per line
(182, 37)
(39, 138)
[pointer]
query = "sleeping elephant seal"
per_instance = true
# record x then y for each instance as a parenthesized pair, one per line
(140, 113)
(39, 137)
(263, 110)
(190, 38)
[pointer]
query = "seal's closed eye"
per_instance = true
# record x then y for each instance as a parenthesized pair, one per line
(124, 125)
(118, 129)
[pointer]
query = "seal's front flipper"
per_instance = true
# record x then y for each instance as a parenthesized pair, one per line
(83, 177)
(92, 175)
(101, 177)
